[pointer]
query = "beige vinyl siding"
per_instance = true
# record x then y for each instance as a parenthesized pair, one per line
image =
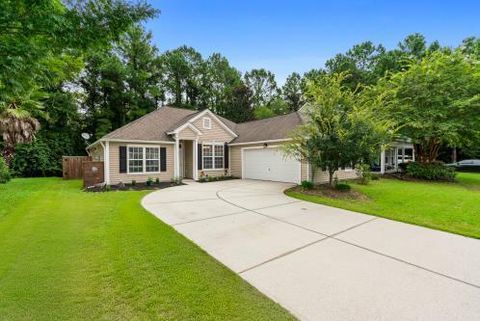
(216, 134)
(116, 176)
(322, 176)
(187, 133)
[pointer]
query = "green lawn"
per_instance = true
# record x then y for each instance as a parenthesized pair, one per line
(452, 207)
(70, 255)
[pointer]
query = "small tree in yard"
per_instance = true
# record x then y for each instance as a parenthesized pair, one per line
(340, 131)
(435, 102)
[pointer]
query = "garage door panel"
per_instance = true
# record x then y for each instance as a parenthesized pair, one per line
(270, 164)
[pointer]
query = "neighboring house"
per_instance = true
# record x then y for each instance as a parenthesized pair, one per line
(173, 143)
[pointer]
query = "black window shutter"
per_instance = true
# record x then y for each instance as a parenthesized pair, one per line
(163, 159)
(225, 156)
(199, 156)
(123, 158)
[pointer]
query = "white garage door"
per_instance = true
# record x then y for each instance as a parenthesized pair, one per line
(270, 164)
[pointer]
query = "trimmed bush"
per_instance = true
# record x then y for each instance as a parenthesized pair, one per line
(4, 171)
(343, 187)
(365, 173)
(149, 181)
(431, 172)
(307, 185)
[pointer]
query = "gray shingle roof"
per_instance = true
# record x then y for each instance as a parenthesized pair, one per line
(155, 125)
(267, 129)
(152, 126)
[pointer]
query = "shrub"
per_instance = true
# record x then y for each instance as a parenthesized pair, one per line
(157, 181)
(375, 177)
(403, 167)
(307, 185)
(431, 172)
(365, 173)
(343, 187)
(176, 180)
(4, 171)
(43, 156)
(134, 182)
(149, 181)
(202, 179)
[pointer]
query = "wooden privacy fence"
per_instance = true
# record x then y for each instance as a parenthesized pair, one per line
(72, 166)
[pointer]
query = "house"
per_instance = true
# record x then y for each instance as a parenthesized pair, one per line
(173, 143)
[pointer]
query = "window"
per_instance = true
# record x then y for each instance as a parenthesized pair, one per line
(218, 156)
(143, 159)
(207, 123)
(207, 156)
(152, 159)
(135, 159)
(213, 155)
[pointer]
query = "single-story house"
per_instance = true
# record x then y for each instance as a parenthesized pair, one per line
(171, 143)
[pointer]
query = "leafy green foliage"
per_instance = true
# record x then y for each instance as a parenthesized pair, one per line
(365, 173)
(263, 86)
(292, 92)
(43, 157)
(435, 102)
(431, 171)
(307, 185)
(342, 187)
(4, 172)
(341, 130)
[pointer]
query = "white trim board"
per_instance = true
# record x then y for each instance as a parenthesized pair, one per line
(262, 142)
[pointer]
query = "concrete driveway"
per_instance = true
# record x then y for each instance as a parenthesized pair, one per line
(324, 263)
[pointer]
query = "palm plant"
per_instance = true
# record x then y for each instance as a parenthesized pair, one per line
(17, 119)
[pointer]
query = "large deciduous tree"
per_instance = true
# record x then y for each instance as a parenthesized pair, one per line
(435, 102)
(341, 131)
(37, 37)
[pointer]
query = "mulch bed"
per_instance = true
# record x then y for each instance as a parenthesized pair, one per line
(330, 192)
(130, 187)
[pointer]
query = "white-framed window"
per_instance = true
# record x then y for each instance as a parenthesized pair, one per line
(142, 159)
(207, 123)
(213, 156)
(152, 159)
(135, 159)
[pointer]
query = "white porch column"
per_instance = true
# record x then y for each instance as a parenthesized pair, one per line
(176, 171)
(382, 161)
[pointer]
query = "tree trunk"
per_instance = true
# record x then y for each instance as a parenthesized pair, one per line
(330, 176)
(427, 150)
(7, 154)
(454, 155)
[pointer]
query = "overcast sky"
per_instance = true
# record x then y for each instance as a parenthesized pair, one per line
(287, 36)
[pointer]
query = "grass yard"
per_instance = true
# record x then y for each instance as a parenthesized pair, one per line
(70, 255)
(452, 207)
